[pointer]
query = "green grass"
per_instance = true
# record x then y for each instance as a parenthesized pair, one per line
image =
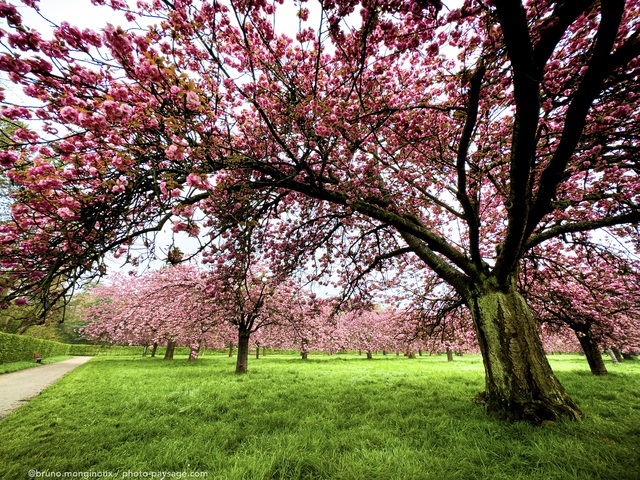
(339, 417)
(16, 366)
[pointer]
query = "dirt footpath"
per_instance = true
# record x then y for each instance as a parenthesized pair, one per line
(17, 388)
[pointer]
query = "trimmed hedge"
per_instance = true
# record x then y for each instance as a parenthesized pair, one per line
(21, 348)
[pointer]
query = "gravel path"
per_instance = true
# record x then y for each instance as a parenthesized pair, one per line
(17, 388)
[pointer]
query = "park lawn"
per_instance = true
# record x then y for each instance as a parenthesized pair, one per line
(17, 366)
(338, 417)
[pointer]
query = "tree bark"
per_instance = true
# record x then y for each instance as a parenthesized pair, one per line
(612, 354)
(592, 352)
(168, 354)
(193, 354)
(617, 353)
(519, 382)
(369, 355)
(242, 359)
(449, 355)
(144, 350)
(154, 349)
(230, 349)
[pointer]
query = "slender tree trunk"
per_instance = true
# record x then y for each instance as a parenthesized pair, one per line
(449, 355)
(519, 382)
(264, 351)
(617, 353)
(369, 355)
(612, 354)
(257, 351)
(193, 354)
(242, 359)
(168, 354)
(592, 352)
(154, 349)
(144, 350)
(230, 349)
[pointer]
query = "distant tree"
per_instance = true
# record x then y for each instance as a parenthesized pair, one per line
(590, 290)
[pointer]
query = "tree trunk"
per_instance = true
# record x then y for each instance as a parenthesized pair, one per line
(519, 382)
(193, 354)
(257, 351)
(144, 350)
(304, 354)
(592, 352)
(449, 355)
(168, 354)
(264, 351)
(154, 348)
(230, 349)
(369, 355)
(242, 359)
(612, 354)
(617, 353)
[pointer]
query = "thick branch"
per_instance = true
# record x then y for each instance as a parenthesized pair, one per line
(557, 230)
(445, 271)
(599, 67)
(526, 93)
(470, 210)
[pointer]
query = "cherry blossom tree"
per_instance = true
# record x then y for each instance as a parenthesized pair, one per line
(169, 306)
(462, 133)
(590, 290)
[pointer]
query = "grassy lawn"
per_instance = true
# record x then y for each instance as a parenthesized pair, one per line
(339, 417)
(16, 366)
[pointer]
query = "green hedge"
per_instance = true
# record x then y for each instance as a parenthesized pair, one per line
(115, 350)
(20, 348)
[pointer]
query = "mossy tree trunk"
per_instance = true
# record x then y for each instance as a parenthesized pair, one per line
(592, 352)
(242, 360)
(519, 382)
(171, 346)
(193, 353)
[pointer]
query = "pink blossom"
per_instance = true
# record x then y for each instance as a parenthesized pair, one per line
(66, 213)
(193, 101)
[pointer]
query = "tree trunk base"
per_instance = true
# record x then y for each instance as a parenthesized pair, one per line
(535, 412)
(519, 382)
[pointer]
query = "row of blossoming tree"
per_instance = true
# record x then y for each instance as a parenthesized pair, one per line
(200, 308)
(461, 135)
